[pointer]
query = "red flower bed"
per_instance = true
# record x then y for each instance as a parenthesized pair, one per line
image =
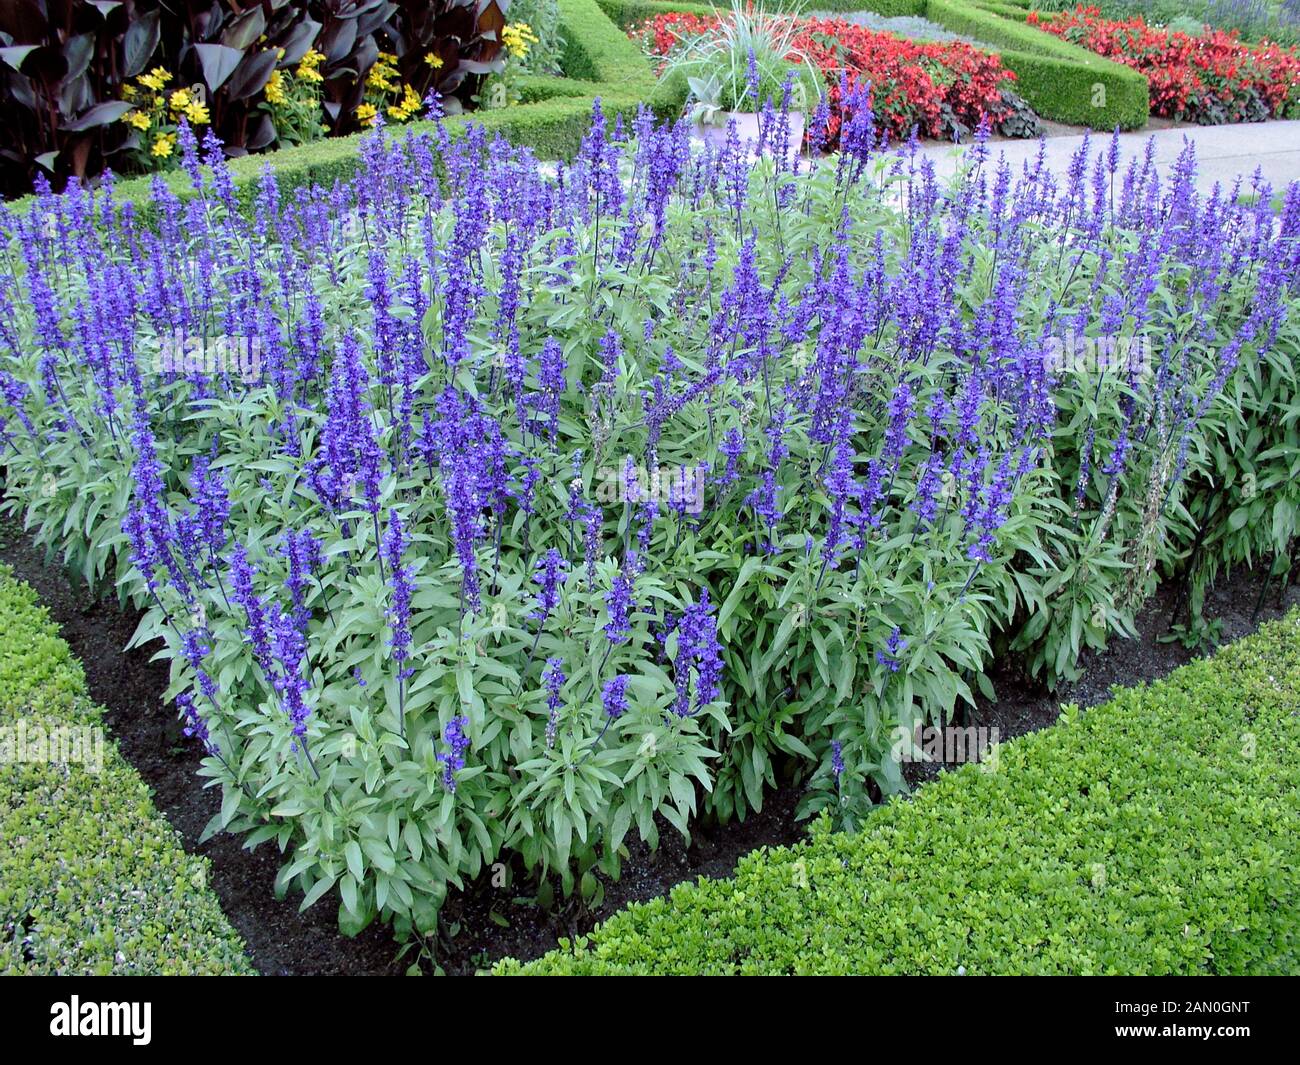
(932, 87)
(1210, 79)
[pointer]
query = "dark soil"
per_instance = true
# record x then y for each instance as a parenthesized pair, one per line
(486, 922)
(1022, 706)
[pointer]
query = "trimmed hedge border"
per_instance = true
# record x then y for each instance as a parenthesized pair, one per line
(1061, 81)
(93, 880)
(1154, 834)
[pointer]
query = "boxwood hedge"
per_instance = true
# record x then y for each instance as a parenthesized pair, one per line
(92, 880)
(1154, 834)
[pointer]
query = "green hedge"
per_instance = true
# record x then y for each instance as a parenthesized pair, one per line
(1154, 834)
(92, 879)
(1061, 81)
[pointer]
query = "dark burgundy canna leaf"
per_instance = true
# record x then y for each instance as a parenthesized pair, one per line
(218, 63)
(245, 30)
(252, 75)
(299, 39)
(15, 54)
(141, 42)
(24, 20)
(99, 115)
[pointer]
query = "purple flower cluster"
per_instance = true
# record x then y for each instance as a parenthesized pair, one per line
(399, 604)
(894, 646)
(613, 697)
(620, 602)
(549, 576)
(698, 649)
(553, 679)
(453, 758)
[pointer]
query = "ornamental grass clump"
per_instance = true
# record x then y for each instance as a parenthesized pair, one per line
(544, 506)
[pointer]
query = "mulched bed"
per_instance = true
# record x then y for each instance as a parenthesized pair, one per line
(485, 922)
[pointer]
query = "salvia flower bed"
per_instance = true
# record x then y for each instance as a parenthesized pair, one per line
(484, 511)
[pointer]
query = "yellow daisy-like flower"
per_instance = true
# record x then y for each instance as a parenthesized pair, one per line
(517, 37)
(180, 100)
(366, 115)
(275, 93)
(197, 113)
(434, 61)
(155, 79)
(379, 78)
(163, 145)
(407, 106)
(129, 91)
(308, 66)
(136, 118)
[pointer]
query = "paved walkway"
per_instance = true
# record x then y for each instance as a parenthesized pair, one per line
(1222, 152)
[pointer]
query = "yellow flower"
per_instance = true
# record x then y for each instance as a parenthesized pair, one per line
(136, 118)
(406, 107)
(128, 92)
(155, 79)
(379, 78)
(517, 37)
(308, 66)
(366, 115)
(434, 61)
(275, 93)
(181, 99)
(197, 113)
(163, 145)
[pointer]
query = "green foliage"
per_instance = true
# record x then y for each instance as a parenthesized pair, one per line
(92, 879)
(1250, 511)
(1077, 549)
(1154, 834)
(543, 18)
(744, 62)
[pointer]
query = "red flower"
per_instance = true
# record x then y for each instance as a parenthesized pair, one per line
(1186, 73)
(911, 83)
